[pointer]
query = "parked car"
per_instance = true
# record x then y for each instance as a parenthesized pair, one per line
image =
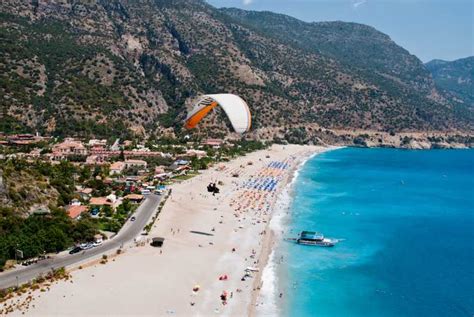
(133, 218)
(95, 212)
(75, 250)
(88, 246)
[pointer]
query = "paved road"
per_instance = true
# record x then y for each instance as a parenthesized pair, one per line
(129, 231)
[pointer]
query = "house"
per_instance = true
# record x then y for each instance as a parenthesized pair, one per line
(163, 176)
(181, 162)
(110, 200)
(75, 211)
(135, 163)
(35, 153)
(215, 143)
(136, 198)
(100, 201)
(25, 136)
(159, 169)
(85, 193)
(95, 160)
(67, 148)
(117, 168)
(127, 143)
(24, 139)
(182, 168)
(97, 143)
(132, 179)
(41, 211)
(196, 153)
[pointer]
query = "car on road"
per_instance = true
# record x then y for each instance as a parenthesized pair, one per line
(133, 218)
(75, 250)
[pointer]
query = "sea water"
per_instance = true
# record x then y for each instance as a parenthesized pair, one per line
(406, 221)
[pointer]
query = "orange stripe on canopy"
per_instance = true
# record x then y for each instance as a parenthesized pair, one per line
(194, 120)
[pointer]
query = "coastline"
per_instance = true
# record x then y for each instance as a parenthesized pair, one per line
(344, 182)
(271, 241)
(237, 236)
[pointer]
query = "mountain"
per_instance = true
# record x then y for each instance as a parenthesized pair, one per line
(109, 68)
(360, 48)
(455, 78)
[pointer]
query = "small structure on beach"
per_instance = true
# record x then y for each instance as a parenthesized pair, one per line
(157, 242)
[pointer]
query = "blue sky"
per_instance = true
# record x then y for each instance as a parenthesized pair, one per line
(430, 29)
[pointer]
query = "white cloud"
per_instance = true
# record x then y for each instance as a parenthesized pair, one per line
(356, 4)
(247, 2)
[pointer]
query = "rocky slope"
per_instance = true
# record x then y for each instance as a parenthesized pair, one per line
(24, 189)
(455, 78)
(105, 68)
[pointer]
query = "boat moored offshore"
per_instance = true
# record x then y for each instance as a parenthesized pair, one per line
(315, 238)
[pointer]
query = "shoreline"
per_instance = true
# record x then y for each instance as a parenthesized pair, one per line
(313, 277)
(271, 241)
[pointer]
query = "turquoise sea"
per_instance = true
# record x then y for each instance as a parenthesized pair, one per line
(407, 220)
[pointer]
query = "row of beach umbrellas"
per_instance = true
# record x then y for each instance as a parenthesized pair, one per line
(262, 183)
(279, 165)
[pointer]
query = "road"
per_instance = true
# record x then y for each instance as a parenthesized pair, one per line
(129, 231)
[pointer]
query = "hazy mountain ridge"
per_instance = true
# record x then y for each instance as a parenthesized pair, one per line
(455, 78)
(355, 45)
(96, 67)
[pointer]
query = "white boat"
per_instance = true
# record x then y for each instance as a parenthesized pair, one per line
(315, 238)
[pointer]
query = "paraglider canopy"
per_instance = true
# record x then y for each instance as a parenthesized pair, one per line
(235, 108)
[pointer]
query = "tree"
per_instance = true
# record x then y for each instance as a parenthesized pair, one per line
(85, 174)
(126, 205)
(107, 211)
(85, 228)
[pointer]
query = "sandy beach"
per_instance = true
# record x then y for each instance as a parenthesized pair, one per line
(210, 241)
